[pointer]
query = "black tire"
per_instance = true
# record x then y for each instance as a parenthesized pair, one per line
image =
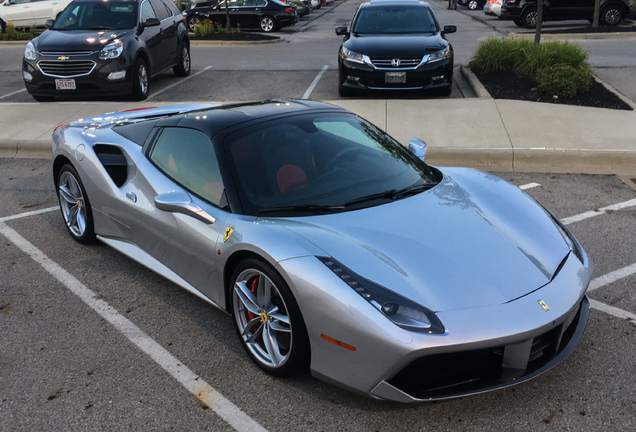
(3, 26)
(192, 21)
(529, 18)
(141, 80)
(611, 16)
(276, 313)
(75, 205)
(267, 24)
(472, 4)
(182, 68)
(43, 98)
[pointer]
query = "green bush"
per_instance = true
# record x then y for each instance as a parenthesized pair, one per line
(11, 33)
(563, 81)
(207, 27)
(559, 68)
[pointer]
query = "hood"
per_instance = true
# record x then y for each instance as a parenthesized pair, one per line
(472, 241)
(77, 40)
(396, 46)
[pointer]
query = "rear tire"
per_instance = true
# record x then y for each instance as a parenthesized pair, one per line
(140, 80)
(192, 22)
(472, 4)
(529, 18)
(267, 24)
(182, 68)
(611, 16)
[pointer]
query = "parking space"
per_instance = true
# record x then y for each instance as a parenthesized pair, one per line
(64, 366)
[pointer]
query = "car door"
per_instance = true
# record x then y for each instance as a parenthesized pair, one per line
(182, 163)
(246, 15)
(153, 37)
(18, 12)
(43, 10)
(168, 28)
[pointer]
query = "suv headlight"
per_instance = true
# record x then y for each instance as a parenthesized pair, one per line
(353, 56)
(400, 310)
(29, 51)
(439, 55)
(112, 50)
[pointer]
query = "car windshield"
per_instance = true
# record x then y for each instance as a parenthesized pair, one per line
(394, 20)
(321, 163)
(100, 15)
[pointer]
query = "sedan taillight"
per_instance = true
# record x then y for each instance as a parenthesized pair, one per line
(289, 10)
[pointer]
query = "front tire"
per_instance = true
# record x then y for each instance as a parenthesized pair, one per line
(74, 204)
(472, 4)
(182, 68)
(267, 24)
(611, 16)
(140, 80)
(192, 22)
(267, 319)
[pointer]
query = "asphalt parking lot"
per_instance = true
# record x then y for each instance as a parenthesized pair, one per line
(93, 341)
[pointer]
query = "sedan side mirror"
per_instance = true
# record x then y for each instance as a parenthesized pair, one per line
(342, 31)
(180, 202)
(418, 148)
(49, 22)
(449, 29)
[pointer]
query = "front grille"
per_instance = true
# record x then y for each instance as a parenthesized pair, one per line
(66, 68)
(404, 63)
(445, 375)
(66, 53)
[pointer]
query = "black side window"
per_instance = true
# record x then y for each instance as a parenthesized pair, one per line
(187, 156)
(160, 9)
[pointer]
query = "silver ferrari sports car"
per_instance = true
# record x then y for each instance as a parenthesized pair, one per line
(332, 246)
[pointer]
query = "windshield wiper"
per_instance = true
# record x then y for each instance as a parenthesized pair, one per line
(314, 208)
(102, 28)
(392, 194)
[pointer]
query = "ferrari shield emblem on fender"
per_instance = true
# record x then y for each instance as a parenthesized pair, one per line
(228, 233)
(544, 305)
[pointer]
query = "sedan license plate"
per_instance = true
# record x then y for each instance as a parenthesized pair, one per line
(395, 78)
(65, 84)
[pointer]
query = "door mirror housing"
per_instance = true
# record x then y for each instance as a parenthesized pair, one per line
(449, 29)
(152, 22)
(49, 22)
(342, 31)
(418, 148)
(181, 202)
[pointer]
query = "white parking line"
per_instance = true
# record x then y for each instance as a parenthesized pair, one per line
(206, 394)
(607, 279)
(611, 310)
(529, 186)
(314, 83)
(178, 82)
(11, 94)
(602, 210)
(26, 214)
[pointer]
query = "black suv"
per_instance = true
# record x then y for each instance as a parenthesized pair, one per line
(395, 45)
(98, 47)
(524, 12)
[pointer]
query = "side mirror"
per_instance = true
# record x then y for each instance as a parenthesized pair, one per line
(449, 29)
(342, 31)
(418, 148)
(151, 22)
(49, 22)
(180, 202)
(6, 2)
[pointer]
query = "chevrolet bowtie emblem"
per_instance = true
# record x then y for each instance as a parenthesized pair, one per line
(63, 58)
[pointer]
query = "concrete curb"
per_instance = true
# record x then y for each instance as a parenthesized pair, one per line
(616, 92)
(573, 36)
(195, 42)
(473, 81)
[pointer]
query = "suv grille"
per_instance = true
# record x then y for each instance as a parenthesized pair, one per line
(66, 68)
(403, 63)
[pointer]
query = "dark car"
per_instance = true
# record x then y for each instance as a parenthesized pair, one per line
(265, 15)
(524, 12)
(395, 45)
(99, 48)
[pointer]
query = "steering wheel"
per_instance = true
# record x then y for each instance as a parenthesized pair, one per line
(338, 156)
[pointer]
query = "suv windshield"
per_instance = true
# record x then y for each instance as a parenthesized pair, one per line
(321, 163)
(112, 15)
(394, 20)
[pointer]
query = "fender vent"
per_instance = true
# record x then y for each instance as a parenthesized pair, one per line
(114, 162)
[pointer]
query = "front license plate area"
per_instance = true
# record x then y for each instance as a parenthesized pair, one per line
(395, 77)
(65, 84)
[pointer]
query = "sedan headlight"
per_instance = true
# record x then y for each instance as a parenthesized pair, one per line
(439, 55)
(29, 51)
(401, 311)
(112, 50)
(353, 56)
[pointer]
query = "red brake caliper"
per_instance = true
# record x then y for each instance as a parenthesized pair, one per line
(253, 285)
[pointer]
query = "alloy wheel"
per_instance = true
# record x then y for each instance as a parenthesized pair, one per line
(73, 204)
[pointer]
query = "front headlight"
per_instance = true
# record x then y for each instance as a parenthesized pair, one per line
(112, 50)
(400, 310)
(439, 55)
(29, 51)
(353, 56)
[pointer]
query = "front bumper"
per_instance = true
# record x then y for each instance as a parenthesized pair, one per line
(365, 77)
(94, 83)
(482, 349)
